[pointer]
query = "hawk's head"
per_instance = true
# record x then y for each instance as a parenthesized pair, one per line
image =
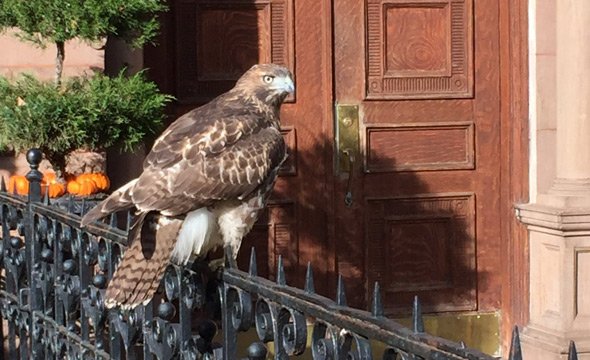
(268, 82)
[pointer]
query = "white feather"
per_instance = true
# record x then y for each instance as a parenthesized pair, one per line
(197, 236)
(235, 220)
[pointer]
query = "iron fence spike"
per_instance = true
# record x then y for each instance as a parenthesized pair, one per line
(253, 269)
(341, 292)
(377, 307)
(46, 197)
(281, 279)
(417, 320)
(70, 203)
(2, 185)
(309, 286)
(515, 351)
(113, 222)
(226, 258)
(129, 220)
(572, 353)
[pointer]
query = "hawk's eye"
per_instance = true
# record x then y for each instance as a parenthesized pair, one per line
(268, 78)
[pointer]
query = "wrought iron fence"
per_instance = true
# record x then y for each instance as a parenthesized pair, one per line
(54, 276)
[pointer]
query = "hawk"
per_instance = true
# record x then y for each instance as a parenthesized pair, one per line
(203, 183)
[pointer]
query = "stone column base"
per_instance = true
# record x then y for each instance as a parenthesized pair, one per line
(559, 241)
(541, 344)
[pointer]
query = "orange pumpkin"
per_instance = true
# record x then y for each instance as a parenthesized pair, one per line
(18, 184)
(87, 187)
(51, 184)
(73, 187)
(87, 184)
(83, 177)
(56, 189)
(101, 180)
(82, 187)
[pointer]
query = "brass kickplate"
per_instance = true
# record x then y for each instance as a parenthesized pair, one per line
(479, 331)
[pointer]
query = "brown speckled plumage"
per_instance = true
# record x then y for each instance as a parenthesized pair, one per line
(227, 151)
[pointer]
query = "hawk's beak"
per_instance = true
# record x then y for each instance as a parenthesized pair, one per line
(287, 85)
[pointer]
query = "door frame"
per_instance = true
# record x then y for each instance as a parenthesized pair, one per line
(514, 111)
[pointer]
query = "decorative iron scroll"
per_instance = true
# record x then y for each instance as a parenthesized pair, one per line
(53, 281)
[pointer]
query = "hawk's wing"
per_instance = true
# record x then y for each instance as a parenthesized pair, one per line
(198, 176)
(216, 152)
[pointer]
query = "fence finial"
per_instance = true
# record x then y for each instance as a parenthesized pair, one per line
(341, 292)
(309, 286)
(2, 185)
(253, 269)
(129, 220)
(417, 320)
(46, 198)
(515, 351)
(113, 221)
(34, 157)
(572, 354)
(257, 351)
(281, 279)
(377, 307)
(71, 203)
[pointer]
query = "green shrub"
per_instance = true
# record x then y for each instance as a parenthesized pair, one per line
(91, 113)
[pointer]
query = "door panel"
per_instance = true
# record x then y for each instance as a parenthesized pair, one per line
(425, 252)
(426, 187)
(419, 49)
(219, 40)
(417, 147)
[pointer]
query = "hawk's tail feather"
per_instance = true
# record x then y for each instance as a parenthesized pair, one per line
(117, 201)
(143, 265)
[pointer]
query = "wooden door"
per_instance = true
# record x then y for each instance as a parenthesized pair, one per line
(425, 212)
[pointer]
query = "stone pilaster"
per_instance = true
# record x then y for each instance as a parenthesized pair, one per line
(559, 222)
(559, 281)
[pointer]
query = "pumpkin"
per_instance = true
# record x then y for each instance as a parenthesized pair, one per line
(56, 189)
(18, 184)
(73, 187)
(101, 180)
(83, 187)
(52, 185)
(49, 183)
(87, 187)
(87, 184)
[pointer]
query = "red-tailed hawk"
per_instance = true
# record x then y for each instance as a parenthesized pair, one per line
(203, 183)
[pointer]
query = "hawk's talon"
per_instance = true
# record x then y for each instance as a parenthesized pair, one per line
(216, 264)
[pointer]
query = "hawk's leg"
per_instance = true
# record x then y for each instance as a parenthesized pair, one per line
(230, 255)
(228, 258)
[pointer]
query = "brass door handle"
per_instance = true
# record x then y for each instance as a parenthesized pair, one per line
(348, 195)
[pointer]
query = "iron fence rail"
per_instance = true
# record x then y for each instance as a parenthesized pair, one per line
(54, 276)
